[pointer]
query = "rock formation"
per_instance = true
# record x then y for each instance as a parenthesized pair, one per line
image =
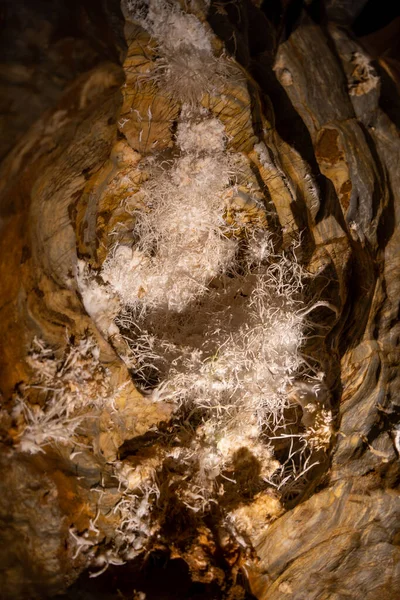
(199, 302)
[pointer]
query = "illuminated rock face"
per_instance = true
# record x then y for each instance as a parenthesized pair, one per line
(199, 305)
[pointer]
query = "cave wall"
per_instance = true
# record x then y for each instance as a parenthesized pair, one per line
(328, 114)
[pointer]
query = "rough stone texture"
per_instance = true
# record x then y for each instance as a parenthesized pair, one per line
(329, 120)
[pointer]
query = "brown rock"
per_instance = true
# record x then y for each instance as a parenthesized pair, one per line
(313, 120)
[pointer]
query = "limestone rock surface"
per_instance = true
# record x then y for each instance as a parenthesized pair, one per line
(313, 120)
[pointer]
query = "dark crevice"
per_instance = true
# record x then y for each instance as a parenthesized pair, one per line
(158, 576)
(360, 287)
(389, 100)
(375, 15)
